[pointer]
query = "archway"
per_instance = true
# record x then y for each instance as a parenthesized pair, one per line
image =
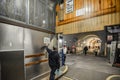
(93, 43)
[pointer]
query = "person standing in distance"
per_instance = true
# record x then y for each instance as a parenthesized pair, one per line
(54, 61)
(64, 53)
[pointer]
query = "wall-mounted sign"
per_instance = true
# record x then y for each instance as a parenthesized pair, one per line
(46, 40)
(69, 6)
(80, 12)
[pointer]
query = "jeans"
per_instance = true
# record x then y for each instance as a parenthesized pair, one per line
(64, 59)
(52, 73)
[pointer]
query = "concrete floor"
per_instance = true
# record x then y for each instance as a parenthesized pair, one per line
(89, 68)
(62, 71)
(65, 78)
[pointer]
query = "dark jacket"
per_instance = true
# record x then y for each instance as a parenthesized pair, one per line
(85, 48)
(54, 58)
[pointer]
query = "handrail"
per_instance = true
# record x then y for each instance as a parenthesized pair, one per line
(36, 62)
(34, 55)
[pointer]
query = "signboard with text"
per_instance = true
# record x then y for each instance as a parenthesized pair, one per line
(80, 12)
(69, 6)
(46, 40)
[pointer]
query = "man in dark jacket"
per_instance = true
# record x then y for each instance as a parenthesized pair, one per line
(85, 50)
(54, 61)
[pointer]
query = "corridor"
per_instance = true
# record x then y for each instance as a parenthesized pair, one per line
(89, 68)
(66, 27)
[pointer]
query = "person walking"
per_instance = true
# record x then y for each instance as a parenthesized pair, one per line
(96, 51)
(54, 61)
(85, 50)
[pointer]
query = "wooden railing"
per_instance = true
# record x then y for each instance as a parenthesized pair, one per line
(34, 56)
(36, 62)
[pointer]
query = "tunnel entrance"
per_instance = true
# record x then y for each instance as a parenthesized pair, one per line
(93, 43)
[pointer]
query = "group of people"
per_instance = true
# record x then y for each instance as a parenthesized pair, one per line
(71, 49)
(54, 59)
(96, 50)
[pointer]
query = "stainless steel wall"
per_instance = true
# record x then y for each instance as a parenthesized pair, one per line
(38, 13)
(11, 52)
(17, 42)
(0, 66)
(33, 41)
(30, 12)
(51, 19)
(14, 9)
(11, 37)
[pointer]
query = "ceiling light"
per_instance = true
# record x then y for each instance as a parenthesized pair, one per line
(44, 21)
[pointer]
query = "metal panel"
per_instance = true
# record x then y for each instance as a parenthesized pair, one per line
(12, 65)
(36, 70)
(14, 9)
(33, 40)
(11, 37)
(37, 13)
(31, 11)
(32, 44)
(0, 66)
(42, 14)
(51, 19)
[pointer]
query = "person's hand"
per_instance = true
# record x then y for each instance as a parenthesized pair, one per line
(43, 47)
